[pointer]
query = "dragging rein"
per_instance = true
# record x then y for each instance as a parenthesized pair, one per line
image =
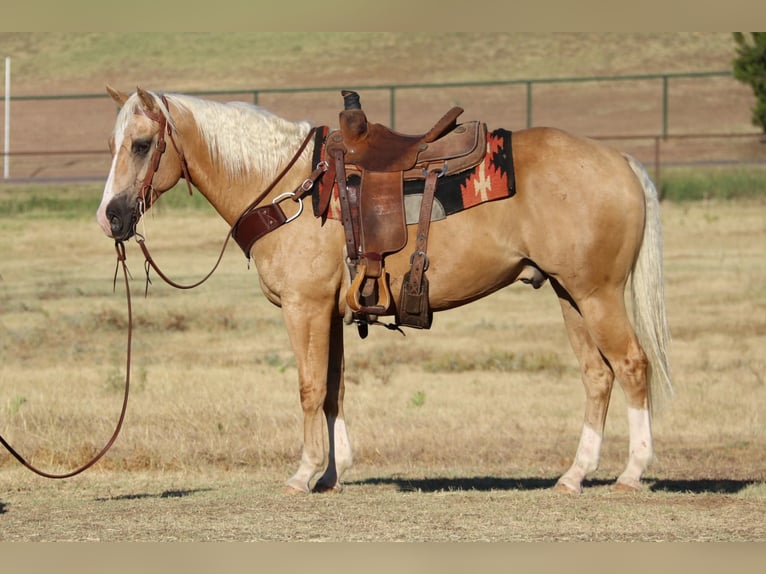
(146, 196)
(120, 248)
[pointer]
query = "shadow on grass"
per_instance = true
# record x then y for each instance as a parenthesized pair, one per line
(165, 494)
(480, 483)
(702, 486)
(3, 508)
(487, 483)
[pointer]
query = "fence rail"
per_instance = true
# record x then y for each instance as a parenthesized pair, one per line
(656, 117)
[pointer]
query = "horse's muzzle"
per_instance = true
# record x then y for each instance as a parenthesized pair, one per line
(122, 216)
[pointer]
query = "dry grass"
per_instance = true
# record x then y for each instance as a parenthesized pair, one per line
(463, 433)
(458, 439)
(239, 506)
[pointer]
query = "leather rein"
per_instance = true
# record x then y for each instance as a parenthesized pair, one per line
(252, 224)
(120, 248)
(264, 224)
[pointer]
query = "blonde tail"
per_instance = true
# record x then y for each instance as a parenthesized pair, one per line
(647, 288)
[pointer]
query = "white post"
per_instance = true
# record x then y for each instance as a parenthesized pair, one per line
(7, 145)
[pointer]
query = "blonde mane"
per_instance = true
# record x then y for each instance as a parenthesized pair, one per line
(245, 139)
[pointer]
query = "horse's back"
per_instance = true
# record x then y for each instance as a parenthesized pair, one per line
(562, 157)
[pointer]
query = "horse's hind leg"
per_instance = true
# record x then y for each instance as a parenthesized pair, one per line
(340, 455)
(606, 319)
(598, 378)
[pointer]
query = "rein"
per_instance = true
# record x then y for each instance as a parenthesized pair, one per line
(253, 208)
(120, 248)
(147, 190)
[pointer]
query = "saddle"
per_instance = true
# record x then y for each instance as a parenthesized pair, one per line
(371, 163)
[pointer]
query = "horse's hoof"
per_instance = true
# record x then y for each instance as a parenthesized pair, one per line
(626, 486)
(295, 487)
(564, 488)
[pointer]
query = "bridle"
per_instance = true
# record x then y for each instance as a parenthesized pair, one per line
(146, 196)
(252, 211)
(147, 189)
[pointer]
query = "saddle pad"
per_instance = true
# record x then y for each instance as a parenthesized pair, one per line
(492, 179)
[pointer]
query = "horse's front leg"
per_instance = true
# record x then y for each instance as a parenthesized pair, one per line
(340, 455)
(309, 327)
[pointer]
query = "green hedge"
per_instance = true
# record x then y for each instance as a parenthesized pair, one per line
(689, 184)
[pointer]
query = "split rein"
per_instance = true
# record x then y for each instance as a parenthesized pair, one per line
(150, 264)
(120, 248)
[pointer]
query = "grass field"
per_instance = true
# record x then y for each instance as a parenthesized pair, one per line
(445, 447)
(467, 427)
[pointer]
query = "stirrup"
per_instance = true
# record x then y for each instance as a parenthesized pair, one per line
(353, 298)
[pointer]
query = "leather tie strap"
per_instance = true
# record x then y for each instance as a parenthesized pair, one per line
(419, 257)
(345, 205)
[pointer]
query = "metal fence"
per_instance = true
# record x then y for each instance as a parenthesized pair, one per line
(663, 119)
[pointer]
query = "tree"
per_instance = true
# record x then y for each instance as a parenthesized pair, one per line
(750, 68)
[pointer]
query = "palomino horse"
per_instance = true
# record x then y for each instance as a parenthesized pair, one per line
(584, 216)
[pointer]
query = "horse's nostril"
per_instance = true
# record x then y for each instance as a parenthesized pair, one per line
(121, 216)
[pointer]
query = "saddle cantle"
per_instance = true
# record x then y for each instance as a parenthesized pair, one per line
(373, 213)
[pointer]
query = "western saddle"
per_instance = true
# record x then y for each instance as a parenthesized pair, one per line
(371, 162)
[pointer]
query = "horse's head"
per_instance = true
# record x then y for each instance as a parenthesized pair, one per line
(140, 170)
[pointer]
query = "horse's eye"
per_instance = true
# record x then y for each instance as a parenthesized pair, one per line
(141, 147)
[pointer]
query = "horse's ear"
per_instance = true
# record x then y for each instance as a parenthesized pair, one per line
(147, 101)
(117, 96)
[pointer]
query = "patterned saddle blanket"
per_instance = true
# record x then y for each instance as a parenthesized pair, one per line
(492, 179)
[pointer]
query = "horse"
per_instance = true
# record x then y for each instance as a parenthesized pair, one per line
(584, 216)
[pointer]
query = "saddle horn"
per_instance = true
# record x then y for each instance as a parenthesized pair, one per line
(353, 120)
(351, 100)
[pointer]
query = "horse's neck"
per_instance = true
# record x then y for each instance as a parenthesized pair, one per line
(231, 194)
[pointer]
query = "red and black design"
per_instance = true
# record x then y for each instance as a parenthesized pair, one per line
(492, 179)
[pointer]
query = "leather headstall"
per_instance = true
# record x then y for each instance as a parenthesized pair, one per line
(147, 189)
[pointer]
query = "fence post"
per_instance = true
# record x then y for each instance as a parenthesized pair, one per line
(529, 104)
(657, 182)
(7, 125)
(391, 107)
(665, 106)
